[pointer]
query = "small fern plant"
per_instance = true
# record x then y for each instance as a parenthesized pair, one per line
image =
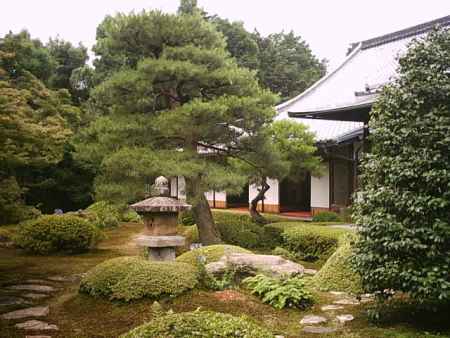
(280, 293)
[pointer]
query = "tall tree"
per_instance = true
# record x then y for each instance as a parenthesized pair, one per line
(196, 107)
(404, 208)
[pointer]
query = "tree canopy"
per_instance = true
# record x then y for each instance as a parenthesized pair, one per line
(404, 204)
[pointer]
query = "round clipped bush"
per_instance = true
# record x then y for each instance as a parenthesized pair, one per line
(54, 233)
(337, 273)
(239, 229)
(212, 253)
(131, 278)
(312, 242)
(107, 215)
(326, 216)
(199, 324)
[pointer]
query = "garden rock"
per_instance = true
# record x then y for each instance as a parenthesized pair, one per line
(38, 311)
(313, 319)
(267, 263)
(331, 307)
(318, 329)
(347, 301)
(32, 295)
(32, 287)
(344, 318)
(36, 325)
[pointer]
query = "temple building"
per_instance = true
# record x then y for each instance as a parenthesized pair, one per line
(337, 109)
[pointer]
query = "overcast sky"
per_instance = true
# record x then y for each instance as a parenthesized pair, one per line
(328, 26)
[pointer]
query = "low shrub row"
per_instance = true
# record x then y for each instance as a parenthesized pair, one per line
(211, 253)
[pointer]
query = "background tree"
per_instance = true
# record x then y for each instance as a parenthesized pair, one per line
(173, 95)
(404, 207)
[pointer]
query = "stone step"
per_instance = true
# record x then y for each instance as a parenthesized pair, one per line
(318, 329)
(32, 287)
(313, 319)
(37, 311)
(36, 325)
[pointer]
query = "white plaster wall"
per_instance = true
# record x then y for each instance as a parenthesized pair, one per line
(320, 190)
(221, 196)
(173, 187)
(271, 194)
(209, 195)
(181, 188)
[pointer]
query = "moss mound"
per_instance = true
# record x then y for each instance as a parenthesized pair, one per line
(56, 233)
(337, 273)
(211, 252)
(130, 278)
(199, 324)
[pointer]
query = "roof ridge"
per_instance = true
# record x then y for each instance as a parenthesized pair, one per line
(404, 33)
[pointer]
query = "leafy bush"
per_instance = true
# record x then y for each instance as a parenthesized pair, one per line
(280, 293)
(312, 242)
(107, 214)
(186, 218)
(130, 278)
(279, 251)
(199, 324)
(338, 273)
(212, 253)
(53, 233)
(326, 216)
(130, 215)
(190, 233)
(404, 209)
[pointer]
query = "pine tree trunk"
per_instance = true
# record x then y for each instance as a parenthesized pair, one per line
(207, 229)
(255, 215)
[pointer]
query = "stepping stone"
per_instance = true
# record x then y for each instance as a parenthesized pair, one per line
(35, 281)
(36, 325)
(63, 279)
(9, 300)
(35, 295)
(331, 307)
(32, 287)
(310, 271)
(318, 329)
(344, 318)
(337, 293)
(38, 336)
(347, 301)
(312, 319)
(37, 311)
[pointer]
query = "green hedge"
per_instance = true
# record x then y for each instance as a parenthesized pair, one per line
(212, 253)
(311, 242)
(199, 324)
(53, 233)
(326, 216)
(107, 215)
(337, 273)
(130, 278)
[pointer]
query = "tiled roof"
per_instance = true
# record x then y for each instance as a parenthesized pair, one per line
(371, 64)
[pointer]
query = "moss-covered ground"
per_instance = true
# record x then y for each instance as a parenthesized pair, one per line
(80, 316)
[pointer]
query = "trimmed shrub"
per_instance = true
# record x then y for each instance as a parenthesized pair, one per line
(186, 218)
(190, 233)
(212, 253)
(199, 324)
(280, 293)
(53, 233)
(107, 214)
(131, 278)
(326, 216)
(338, 273)
(312, 242)
(273, 232)
(279, 251)
(130, 215)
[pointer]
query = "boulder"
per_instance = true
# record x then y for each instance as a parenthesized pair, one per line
(274, 265)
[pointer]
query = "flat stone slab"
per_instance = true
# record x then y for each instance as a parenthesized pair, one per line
(32, 287)
(313, 319)
(331, 307)
(337, 293)
(36, 281)
(310, 271)
(68, 279)
(32, 295)
(10, 300)
(32, 325)
(38, 336)
(318, 329)
(37, 311)
(344, 318)
(346, 301)
(160, 241)
(274, 265)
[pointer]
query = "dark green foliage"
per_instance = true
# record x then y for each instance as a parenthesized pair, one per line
(312, 242)
(338, 273)
(404, 207)
(186, 218)
(132, 278)
(279, 251)
(130, 215)
(107, 214)
(56, 233)
(211, 253)
(280, 293)
(326, 216)
(199, 324)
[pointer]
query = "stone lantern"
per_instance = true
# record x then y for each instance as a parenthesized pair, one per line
(160, 214)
